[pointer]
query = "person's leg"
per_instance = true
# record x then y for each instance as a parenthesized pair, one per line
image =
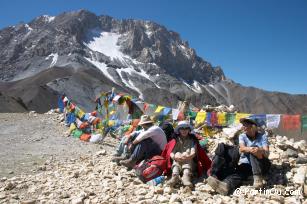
(242, 173)
(175, 174)
(218, 161)
(121, 146)
(187, 174)
(259, 167)
(144, 150)
(231, 182)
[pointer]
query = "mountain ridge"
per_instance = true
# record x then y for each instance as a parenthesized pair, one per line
(138, 57)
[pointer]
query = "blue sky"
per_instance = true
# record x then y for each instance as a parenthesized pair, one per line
(260, 43)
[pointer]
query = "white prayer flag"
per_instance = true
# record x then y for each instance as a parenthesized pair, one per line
(272, 120)
(175, 113)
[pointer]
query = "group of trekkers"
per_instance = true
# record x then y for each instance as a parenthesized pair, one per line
(186, 158)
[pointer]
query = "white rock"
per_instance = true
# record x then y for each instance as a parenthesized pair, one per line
(168, 190)
(3, 179)
(174, 198)
(299, 177)
(28, 202)
(205, 188)
(273, 156)
(101, 153)
(141, 191)
(163, 199)
(2, 195)
(77, 200)
(289, 175)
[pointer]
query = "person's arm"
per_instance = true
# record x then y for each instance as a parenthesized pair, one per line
(243, 148)
(191, 155)
(144, 135)
(132, 135)
(264, 150)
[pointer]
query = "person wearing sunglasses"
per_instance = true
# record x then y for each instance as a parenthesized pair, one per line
(184, 156)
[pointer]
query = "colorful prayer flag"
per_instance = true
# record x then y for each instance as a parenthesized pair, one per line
(159, 109)
(175, 113)
(241, 115)
(272, 120)
(230, 118)
(291, 122)
(221, 118)
(213, 119)
(260, 119)
(304, 122)
(200, 117)
(166, 111)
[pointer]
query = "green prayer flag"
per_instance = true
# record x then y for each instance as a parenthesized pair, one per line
(192, 115)
(230, 118)
(304, 122)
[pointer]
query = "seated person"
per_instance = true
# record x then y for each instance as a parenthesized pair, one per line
(168, 129)
(149, 142)
(122, 151)
(183, 154)
(254, 149)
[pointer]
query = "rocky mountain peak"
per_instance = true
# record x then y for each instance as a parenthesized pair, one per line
(138, 57)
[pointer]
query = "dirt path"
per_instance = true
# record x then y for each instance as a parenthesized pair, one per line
(29, 140)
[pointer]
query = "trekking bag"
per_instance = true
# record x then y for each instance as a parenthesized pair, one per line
(149, 169)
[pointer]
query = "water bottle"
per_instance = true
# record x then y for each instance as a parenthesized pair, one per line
(156, 181)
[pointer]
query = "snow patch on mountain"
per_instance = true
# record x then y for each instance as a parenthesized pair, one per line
(195, 87)
(148, 30)
(184, 50)
(196, 84)
(28, 27)
(54, 56)
(103, 68)
(128, 83)
(105, 43)
(48, 18)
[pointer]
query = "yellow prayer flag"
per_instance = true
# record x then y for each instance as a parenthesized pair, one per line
(221, 118)
(111, 123)
(239, 116)
(200, 117)
(80, 114)
(159, 109)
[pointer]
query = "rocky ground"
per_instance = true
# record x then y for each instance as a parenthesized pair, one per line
(39, 164)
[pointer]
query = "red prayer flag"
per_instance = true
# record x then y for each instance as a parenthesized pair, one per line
(213, 119)
(291, 122)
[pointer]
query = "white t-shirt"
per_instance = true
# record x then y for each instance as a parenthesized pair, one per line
(156, 134)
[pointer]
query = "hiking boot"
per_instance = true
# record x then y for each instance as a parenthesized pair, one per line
(174, 180)
(129, 163)
(118, 158)
(217, 185)
(186, 180)
(258, 181)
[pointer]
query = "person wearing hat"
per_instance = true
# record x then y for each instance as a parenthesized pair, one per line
(150, 141)
(183, 154)
(254, 149)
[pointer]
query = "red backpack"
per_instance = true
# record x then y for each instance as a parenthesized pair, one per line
(149, 169)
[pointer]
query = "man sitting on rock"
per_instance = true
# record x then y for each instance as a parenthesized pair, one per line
(254, 160)
(149, 142)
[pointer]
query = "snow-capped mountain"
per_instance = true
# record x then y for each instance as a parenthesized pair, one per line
(81, 54)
